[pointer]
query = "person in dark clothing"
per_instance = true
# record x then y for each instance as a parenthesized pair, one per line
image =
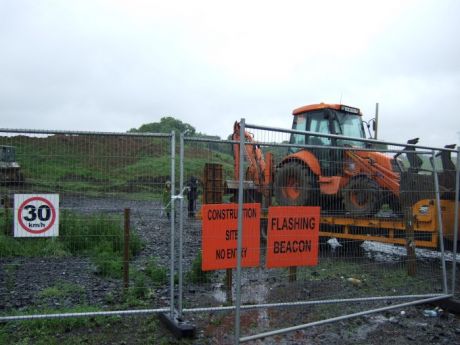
(192, 195)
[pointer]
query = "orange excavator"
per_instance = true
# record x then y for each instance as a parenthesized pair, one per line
(328, 165)
(359, 180)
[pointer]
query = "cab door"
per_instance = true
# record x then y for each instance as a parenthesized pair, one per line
(330, 159)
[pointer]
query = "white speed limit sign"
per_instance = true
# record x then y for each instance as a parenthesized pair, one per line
(36, 215)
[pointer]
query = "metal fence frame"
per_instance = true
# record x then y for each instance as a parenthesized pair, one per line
(419, 299)
(237, 307)
(171, 309)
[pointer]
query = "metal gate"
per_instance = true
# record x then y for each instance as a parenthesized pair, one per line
(113, 209)
(388, 256)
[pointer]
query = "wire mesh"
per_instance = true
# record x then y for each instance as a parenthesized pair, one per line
(207, 167)
(112, 248)
(378, 239)
(379, 234)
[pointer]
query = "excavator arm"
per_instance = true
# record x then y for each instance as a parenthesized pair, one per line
(258, 174)
(256, 164)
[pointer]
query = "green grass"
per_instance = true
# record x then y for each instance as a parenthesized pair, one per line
(88, 331)
(146, 165)
(143, 284)
(82, 163)
(98, 164)
(100, 237)
(77, 235)
(47, 331)
(60, 289)
(155, 272)
(196, 274)
(32, 247)
(108, 263)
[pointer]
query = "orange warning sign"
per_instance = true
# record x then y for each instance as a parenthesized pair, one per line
(219, 236)
(292, 236)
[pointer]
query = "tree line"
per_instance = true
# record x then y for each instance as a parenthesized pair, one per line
(168, 124)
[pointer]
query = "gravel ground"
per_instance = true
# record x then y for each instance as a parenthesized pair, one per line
(24, 280)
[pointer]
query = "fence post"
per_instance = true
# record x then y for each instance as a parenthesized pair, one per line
(172, 238)
(126, 249)
(173, 319)
(240, 233)
(457, 198)
(439, 221)
(410, 242)
(181, 222)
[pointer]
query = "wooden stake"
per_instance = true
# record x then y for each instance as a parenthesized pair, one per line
(292, 274)
(411, 261)
(126, 250)
(228, 285)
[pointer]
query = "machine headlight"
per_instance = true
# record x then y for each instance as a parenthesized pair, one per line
(423, 210)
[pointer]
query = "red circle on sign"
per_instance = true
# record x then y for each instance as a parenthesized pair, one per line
(47, 202)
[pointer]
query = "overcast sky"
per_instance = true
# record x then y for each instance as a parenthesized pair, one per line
(114, 65)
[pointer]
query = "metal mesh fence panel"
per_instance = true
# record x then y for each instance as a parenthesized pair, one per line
(387, 215)
(382, 210)
(208, 165)
(112, 247)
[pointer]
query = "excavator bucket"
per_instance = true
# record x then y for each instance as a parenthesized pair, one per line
(447, 175)
(416, 185)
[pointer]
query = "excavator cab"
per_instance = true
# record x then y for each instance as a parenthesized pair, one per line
(324, 173)
(327, 119)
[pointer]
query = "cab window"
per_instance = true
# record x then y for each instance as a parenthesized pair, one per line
(311, 122)
(319, 124)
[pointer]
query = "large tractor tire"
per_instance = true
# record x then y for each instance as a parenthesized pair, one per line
(294, 185)
(361, 197)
